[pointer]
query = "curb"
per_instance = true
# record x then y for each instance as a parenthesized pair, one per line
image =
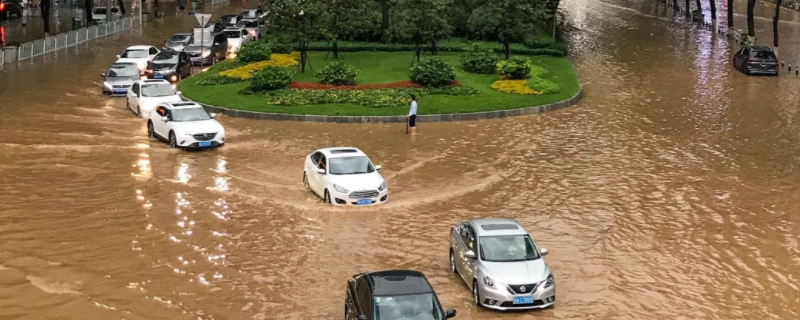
(382, 119)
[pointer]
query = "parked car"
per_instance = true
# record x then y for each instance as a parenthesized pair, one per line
(172, 66)
(344, 176)
(145, 95)
(140, 55)
(252, 13)
(178, 41)
(9, 9)
(255, 27)
(392, 295)
(500, 263)
(185, 125)
(756, 60)
(208, 52)
(213, 27)
(236, 38)
(228, 21)
(100, 14)
(119, 77)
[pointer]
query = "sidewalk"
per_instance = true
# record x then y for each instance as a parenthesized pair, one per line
(60, 21)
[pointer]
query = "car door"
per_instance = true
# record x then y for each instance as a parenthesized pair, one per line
(183, 64)
(471, 242)
(222, 44)
(133, 96)
(351, 312)
(745, 57)
(319, 178)
(159, 125)
(736, 57)
(153, 52)
(364, 298)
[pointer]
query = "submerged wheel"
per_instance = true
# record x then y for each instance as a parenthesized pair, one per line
(327, 197)
(476, 296)
(173, 142)
(305, 180)
(151, 133)
(453, 262)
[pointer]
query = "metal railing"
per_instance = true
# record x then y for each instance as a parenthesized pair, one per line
(64, 40)
(216, 2)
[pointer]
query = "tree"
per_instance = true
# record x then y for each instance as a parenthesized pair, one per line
(775, 25)
(44, 7)
(87, 9)
(299, 20)
(385, 6)
(699, 10)
(421, 21)
(751, 28)
(730, 15)
(344, 18)
(507, 20)
(713, 6)
(552, 14)
(688, 9)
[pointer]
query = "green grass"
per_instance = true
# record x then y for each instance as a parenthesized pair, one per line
(381, 67)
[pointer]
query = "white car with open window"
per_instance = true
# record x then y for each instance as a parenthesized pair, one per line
(185, 125)
(144, 95)
(344, 176)
(140, 55)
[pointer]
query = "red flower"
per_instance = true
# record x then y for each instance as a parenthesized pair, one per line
(319, 86)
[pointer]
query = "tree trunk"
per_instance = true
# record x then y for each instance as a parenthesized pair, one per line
(688, 9)
(384, 20)
(699, 10)
(730, 15)
(507, 48)
(155, 10)
(121, 7)
(44, 7)
(303, 56)
(712, 4)
(775, 25)
(336, 50)
(87, 8)
(674, 6)
(751, 28)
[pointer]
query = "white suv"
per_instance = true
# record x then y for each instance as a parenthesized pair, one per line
(144, 95)
(185, 125)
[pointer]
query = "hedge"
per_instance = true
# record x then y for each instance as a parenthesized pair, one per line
(553, 49)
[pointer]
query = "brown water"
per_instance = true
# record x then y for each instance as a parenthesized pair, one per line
(670, 192)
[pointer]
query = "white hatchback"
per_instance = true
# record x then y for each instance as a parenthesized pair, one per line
(144, 95)
(140, 55)
(185, 125)
(344, 176)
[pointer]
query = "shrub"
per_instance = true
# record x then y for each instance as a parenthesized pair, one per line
(270, 78)
(254, 51)
(374, 98)
(215, 80)
(514, 68)
(513, 86)
(543, 86)
(556, 49)
(281, 47)
(478, 59)
(537, 71)
(338, 74)
(433, 73)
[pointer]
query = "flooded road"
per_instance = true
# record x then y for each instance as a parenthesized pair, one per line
(669, 192)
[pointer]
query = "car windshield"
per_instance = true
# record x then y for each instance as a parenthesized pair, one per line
(190, 114)
(165, 57)
(100, 10)
(228, 20)
(134, 54)
(508, 248)
(421, 306)
(157, 90)
(181, 38)
(350, 165)
(764, 55)
(233, 34)
(126, 70)
(248, 24)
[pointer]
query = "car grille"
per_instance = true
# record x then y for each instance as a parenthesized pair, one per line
(204, 136)
(529, 288)
(119, 86)
(510, 304)
(363, 194)
(197, 54)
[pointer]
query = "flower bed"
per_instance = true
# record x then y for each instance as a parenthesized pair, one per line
(390, 85)
(244, 72)
(513, 86)
(373, 98)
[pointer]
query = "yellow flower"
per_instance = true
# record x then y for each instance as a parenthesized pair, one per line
(513, 86)
(276, 60)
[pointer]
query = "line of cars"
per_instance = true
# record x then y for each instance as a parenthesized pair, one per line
(147, 75)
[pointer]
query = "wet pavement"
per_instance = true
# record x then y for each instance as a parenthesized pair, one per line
(669, 192)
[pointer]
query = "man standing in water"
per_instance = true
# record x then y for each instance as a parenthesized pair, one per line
(411, 118)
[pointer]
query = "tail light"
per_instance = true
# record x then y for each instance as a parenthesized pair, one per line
(749, 60)
(2, 6)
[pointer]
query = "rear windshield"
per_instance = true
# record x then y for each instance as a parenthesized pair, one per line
(180, 38)
(248, 24)
(232, 34)
(122, 70)
(763, 55)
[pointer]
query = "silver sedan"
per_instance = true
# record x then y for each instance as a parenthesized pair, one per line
(501, 265)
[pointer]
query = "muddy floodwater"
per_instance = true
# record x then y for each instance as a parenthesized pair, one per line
(671, 191)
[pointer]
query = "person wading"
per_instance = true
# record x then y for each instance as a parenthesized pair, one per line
(411, 118)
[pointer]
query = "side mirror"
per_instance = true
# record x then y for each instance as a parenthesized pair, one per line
(103, 75)
(450, 313)
(213, 115)
(543, 251)
(470, 254)
(165, 119)
(118, 56)
(378, 167)
(320, 171)
(216, 43)
(361, 317)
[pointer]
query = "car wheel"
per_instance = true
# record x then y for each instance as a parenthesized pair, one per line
(128, 103)
(476, 296)
(327, 197)
(173, 142)
(453, 262)
(305, 180)
(138, 111)
(151, 133)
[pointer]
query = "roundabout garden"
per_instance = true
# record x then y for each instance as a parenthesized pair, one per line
(294, 72)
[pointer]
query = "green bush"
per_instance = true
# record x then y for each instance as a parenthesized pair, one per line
(254, 51)
(281, 47)
(514, 68)
(217, 79)
(270, 78)
(478, 59)
(537, 71)
(433, 73)
(543, 86)
(338, 74)
(372, 98)
(555, 49)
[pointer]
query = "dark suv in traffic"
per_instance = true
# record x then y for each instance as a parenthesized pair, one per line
(756, 60)
(392, 294)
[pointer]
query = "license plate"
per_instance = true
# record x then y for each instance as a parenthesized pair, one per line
(364, 201)
(195, 59)
(158, 76)
(205, 143)
(120, 91)
(523, 300)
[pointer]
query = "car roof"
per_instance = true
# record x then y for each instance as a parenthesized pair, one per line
(498, 227)
(182, 105)
(123, 64)
(154, 81)
(140, 47)
(397, 282)
(183, 34)
(334, 152)
(760, 48)
(233, 29)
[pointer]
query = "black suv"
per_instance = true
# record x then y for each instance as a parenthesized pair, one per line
(392, 294)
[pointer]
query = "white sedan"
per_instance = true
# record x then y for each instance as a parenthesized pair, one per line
(236, 38)
(144, 95)
(344, 176)
(140, 55)
(185, 125)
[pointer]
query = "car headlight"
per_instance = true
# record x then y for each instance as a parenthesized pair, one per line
(142, 65)
(206, 53)
(107, 86)
(339, 188)
(488, 282)
(382, 187)
(550, 281)
(174, 78)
